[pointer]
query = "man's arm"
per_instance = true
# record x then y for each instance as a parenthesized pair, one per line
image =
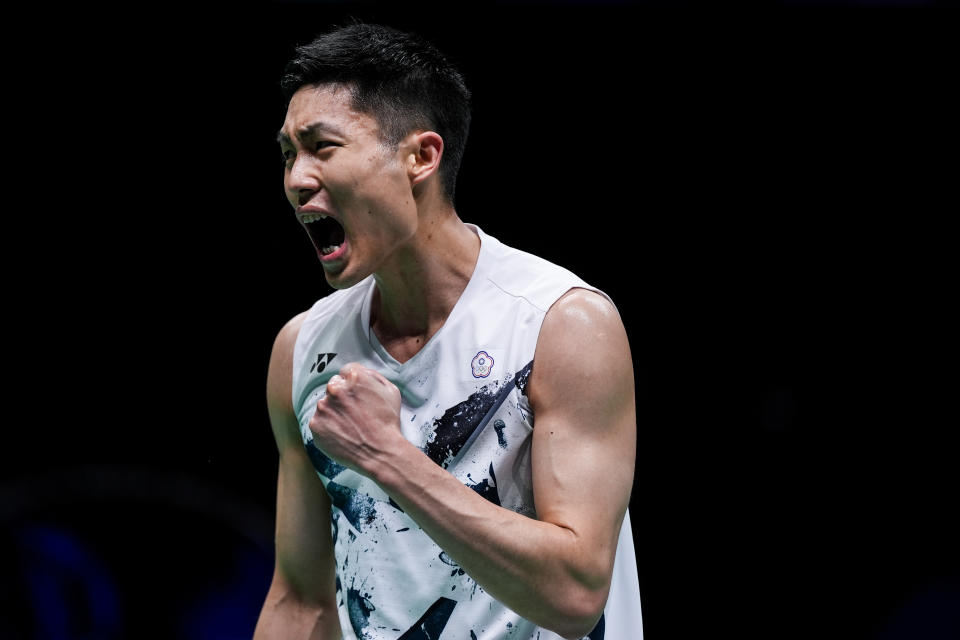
(301, 602)
(555, 570)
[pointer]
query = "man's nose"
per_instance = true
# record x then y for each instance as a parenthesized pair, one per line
(302, 180)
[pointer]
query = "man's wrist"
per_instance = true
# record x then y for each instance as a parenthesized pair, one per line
(390, 468)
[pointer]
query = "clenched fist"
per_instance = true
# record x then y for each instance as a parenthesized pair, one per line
(358, 422)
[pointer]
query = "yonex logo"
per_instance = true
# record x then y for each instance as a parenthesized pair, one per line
(481, 365)
(323, 359)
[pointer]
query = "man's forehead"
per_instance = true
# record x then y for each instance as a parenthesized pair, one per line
(323, 109)
(309, 130)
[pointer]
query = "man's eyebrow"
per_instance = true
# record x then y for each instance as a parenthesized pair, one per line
(309, 130)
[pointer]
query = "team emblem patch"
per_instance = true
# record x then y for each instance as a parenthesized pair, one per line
(481, 365)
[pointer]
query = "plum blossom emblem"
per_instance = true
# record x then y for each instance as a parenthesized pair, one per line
(481, 365)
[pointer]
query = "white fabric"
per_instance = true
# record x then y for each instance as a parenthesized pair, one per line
(394, 582)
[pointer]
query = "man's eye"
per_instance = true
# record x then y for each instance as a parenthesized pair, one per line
(288, 157)
(323, 144)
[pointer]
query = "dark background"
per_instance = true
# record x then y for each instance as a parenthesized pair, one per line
(764, 190)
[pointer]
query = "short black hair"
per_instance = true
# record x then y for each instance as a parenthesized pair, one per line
(399, 78)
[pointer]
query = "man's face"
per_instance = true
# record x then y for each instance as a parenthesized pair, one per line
(349, 190)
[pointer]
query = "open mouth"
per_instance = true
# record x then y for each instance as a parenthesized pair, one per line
(325, 232)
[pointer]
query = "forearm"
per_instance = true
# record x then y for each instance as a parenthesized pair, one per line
(285, 616)
(538, 569)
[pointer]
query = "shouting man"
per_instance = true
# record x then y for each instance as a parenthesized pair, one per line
(454, 462)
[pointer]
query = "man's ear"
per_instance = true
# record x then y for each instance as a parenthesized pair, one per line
(426, 149)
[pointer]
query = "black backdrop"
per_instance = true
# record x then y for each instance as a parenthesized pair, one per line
(764, 193)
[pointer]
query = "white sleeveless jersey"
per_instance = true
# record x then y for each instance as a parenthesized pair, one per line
(464, 406)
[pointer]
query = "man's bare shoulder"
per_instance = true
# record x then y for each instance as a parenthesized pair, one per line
(280, 374)
(580, 301)
(287, 336)
(583, 345)
(583, 314)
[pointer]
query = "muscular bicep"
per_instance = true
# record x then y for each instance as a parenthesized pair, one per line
(584, 437)
(305, 564)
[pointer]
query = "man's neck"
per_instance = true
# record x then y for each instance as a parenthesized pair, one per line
(421, 285)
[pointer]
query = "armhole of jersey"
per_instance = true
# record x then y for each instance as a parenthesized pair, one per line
(296, 381)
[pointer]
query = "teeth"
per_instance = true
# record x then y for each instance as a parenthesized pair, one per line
(312, 217)
(328, 250)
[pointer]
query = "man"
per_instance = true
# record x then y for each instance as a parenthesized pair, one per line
(415, 498)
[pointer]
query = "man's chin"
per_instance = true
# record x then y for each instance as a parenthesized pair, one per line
(342, 278)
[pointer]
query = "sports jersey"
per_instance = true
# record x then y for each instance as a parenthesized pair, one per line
(464, 406)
